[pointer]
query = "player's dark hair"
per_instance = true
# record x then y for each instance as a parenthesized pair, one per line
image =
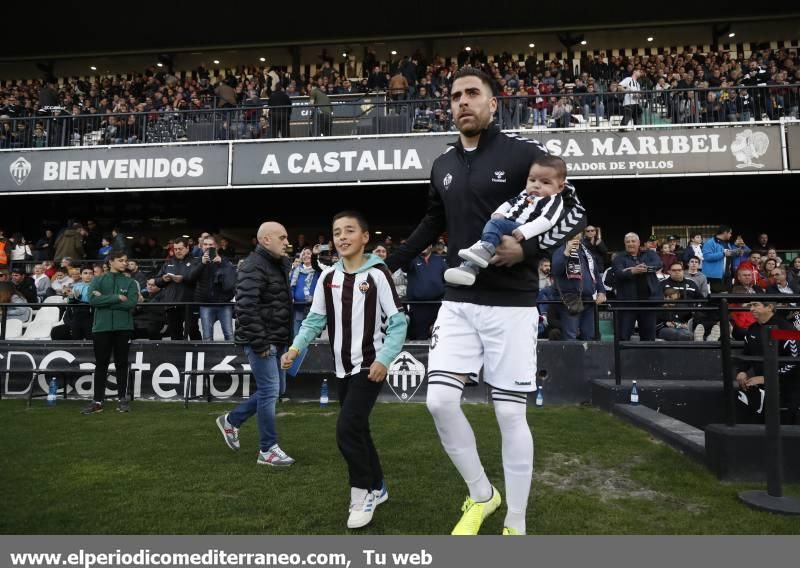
(469, 71)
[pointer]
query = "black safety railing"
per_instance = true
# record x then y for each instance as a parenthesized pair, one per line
(384, 114)
(722, 305)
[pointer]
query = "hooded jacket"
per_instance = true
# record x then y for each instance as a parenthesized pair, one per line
(368, 288)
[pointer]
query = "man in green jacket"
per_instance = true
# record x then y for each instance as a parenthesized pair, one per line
(113, 296)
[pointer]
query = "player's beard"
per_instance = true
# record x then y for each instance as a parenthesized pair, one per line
(474, 127)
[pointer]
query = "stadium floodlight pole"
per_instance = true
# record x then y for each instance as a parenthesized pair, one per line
(772, 499)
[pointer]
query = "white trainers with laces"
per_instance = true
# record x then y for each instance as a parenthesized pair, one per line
(362, 507)
(229, 432)
(275, 456)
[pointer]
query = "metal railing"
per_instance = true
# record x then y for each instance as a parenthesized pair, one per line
(379, 114)
(719, 303)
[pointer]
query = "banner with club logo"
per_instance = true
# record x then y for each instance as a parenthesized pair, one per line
(117, 167)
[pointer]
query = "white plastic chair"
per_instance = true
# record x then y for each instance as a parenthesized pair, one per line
(13, 328)
(55, 300)
(49, 314)
(39, 329)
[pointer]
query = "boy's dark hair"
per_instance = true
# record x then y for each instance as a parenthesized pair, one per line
(183, 241)
(360, 219)
(115, 254)
(724, 229)
(669, 291)
(551, 161)
(693, 257)
(469, 71)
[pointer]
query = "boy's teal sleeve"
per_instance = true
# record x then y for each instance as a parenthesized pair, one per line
(311, 328)
(395, 337)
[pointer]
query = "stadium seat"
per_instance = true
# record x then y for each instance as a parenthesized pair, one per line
(49, 314)
(54, 300)
(13, 329)
(39, 329)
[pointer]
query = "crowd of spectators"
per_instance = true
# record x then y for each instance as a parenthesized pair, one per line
(688, 87)
(657, 269)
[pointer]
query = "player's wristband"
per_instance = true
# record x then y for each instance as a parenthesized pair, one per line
(295, 349)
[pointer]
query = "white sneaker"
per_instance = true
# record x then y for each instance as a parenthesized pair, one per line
(275, 456)
(714, 333)
(362, 507)
(699, 332)
(459, 276)
(229, 432)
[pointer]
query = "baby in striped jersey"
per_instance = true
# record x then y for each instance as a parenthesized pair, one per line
(536, 210)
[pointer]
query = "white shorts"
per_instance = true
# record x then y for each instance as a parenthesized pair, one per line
(500, 339)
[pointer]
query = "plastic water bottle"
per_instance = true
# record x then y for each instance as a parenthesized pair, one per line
(539, 397)
(634, 394)
(51, 392)
(323, 394)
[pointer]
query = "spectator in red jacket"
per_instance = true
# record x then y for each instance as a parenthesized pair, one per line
(753, 264)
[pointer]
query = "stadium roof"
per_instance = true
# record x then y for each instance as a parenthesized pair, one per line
(158, 27)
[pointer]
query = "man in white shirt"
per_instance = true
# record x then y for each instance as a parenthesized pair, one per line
(630, 105)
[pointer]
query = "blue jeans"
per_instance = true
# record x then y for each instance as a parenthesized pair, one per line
(211, 314)
(268, 373)
(582, 323)
(495, 229)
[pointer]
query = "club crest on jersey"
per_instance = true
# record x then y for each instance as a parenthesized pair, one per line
(406, 374)
(499, 176)
(364, 287)
(448, 179)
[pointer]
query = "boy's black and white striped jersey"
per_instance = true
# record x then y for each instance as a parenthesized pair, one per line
(354, 306)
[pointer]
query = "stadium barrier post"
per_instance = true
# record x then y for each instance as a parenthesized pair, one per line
(772, 499)
(727, 361)
(617, 354)
(3, 320)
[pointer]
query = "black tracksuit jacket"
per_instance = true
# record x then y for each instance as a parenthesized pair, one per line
(465, 189)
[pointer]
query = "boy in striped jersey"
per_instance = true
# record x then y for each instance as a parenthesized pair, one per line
(534, 211)
(351, 298)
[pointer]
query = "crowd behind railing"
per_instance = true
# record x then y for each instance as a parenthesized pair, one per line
(57, 269)
(160, 105)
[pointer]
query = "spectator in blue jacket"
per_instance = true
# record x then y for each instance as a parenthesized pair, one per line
(718, 255)
(303, 280)
(635, 279)
(425, 283)
(576, 272)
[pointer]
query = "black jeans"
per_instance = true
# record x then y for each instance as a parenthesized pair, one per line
(357, 396)
(647, 324)
(422, 318)
(718, 285)
(106, 342)
(179, 316)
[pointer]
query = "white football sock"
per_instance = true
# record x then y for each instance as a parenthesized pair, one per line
(510, 408)
(455, 433)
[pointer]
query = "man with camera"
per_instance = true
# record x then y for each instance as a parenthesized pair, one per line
(635, 278)
(577, 277)
(215, 282)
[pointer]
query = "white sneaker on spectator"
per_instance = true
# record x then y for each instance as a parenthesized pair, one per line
(699, 332)
(714, 334)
